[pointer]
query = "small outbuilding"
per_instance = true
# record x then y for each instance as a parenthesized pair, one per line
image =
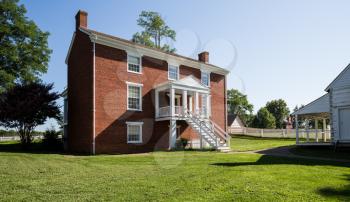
(235, 124)
(335, 106)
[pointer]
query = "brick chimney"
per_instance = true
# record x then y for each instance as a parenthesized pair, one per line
(81, 19)
(203, 57)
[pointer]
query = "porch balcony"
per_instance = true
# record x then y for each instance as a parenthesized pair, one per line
(173, 99)
(179, 112)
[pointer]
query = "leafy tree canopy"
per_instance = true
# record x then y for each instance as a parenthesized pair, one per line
(155, 30)
(264, 119)
(238, 104)
(279, 109)
(24, 52)
(26, 106)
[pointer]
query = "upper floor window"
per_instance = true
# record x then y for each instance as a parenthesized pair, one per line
(205, 78)
(173, 72)
(134, 96)
(134, 64)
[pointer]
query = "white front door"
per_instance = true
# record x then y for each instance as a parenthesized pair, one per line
(344, 126)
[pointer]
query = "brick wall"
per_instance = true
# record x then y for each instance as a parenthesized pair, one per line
(80, 64)
(111, 100)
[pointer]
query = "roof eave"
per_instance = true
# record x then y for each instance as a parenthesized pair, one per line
(143, 50)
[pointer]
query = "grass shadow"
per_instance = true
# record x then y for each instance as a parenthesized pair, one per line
(274, 160)
(36, 147)
(334, 192)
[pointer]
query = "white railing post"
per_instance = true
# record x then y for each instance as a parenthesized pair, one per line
(262, 133)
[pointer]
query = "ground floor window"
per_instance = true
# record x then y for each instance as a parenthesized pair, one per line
(134, 132)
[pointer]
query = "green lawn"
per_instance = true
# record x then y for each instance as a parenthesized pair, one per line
(246, 143)
(170, 176)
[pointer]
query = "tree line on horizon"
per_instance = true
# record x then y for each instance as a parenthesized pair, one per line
(273, 115)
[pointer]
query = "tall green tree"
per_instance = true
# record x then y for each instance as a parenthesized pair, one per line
(238, 104)
(25, 106)
(278, 108)
(24, 52)
(155, 31)
(264, 119)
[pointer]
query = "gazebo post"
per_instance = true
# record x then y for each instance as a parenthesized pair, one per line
(324, 130)
(307, 130)
(316, 129)
(297, 128)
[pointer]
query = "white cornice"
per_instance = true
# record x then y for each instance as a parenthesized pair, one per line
(128, 47)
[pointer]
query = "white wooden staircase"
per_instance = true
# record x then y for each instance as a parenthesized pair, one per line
(215, 136)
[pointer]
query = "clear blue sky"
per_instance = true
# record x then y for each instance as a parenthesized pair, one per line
(280, 49)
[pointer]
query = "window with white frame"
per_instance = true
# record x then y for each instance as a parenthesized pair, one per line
(134, 97)
(205, 78)
(134, 64)
(134, 133)
(173, 72)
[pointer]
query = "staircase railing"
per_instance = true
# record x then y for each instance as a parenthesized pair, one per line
(199, 122)
(213, 127)
(220, 132)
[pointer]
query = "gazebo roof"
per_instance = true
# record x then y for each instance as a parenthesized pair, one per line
(316, 108)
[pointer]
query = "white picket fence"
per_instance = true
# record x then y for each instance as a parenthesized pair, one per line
(16, 138)
(276, 133)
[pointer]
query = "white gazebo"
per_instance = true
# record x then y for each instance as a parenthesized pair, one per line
(317, 110)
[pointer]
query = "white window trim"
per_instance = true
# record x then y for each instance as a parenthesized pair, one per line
(127, 95)
(178, 72)
(134, 124)
(205, 72)
(127, 62)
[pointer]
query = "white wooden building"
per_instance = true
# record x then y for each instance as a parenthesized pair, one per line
(235, 124)
(335, 106)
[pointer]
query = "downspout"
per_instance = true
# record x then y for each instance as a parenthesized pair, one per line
(93, 96)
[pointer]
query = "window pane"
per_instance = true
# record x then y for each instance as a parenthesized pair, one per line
(134, 68)
(133, 60)
(173, 72)
(205, 78)
(134, 97)
(134, 133)
(133, 63)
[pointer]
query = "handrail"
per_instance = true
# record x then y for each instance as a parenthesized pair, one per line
(217, 134)
(220, 132)
(198, 122)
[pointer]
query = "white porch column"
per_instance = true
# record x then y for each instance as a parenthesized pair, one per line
(184, 101)
(196, 101)
(156, 104)
(207, 105)
(316, 129)
(190, 108)
(296, 129)
(172, 102)
(324, 130)
(172, 134)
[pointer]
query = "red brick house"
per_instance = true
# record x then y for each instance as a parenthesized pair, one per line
(124, 97)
